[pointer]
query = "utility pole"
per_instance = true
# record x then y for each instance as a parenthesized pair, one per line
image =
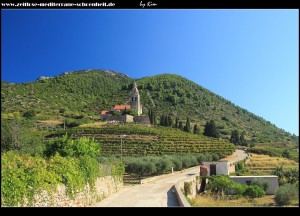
(122, 136)
(181, 156)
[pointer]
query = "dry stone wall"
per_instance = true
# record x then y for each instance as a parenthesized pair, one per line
(104, 186)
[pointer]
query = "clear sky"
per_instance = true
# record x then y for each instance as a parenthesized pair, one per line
(250, 57)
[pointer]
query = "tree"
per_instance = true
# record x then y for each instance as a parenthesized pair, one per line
(196, 129)
(235, 137)
(187, 127)
(180, 126)
(286, 153)
(29, 114)
(176, 122)
(210, 129)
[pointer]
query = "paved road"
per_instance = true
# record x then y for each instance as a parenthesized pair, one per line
(158, 193)
(239, 155)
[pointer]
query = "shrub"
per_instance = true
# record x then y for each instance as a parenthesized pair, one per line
(29, 114)
(215, 157)
(285, 194)
(220, 184)
(286, 153)
(67, 147)
(264, 184)
(238, 189)
(239, 166)
(187, 188)
(254, 191)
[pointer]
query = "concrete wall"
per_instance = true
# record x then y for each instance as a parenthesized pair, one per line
(104, 186)
(128, 118)
(222, 167)
(179, 188)
(142, 119)
(273, 180)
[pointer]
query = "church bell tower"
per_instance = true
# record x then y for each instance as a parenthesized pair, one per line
(135, 100)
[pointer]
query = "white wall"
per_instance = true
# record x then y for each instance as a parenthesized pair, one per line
(222, 167)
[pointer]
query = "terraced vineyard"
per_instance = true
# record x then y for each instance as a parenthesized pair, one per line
(143, 140)
(264, 164)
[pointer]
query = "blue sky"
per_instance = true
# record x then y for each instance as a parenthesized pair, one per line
(249, 57)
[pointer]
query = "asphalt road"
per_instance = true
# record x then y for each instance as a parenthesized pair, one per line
(158, 193)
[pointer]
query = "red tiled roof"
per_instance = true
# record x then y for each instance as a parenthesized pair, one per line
(104, 111)
(122, 107)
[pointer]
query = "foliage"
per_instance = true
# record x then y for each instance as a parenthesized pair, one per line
(261, 183)
(22, 176)
(286, 153)
(89, 91)
(210, 129)
(154, 165)
(254, 191)
(152, 116)
(187, 187)
(286, 193)
(142, 140)
(286, 176)
(73, 148)
(17, 135)
(221, 184)
(237, 139)
(239, 166)
(29, 114)
(196, 129)
(187, 127)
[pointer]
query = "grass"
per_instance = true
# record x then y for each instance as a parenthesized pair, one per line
(264, 164)
(208, 200)
(93, 125)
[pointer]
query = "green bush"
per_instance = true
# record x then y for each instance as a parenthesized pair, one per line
(287, 175)
(29, 114)
(68, 147)
(264, 184)
(187, 188)
(220, 184)
(254, 191)
(215, 157)
(238, 189)
(286, 153)
(285, 194)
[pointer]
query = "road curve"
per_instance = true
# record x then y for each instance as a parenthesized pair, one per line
(158, 193)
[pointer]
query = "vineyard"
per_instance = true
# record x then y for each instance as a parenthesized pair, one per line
(143, 141)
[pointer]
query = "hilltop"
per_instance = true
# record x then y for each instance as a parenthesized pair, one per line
(84, 93)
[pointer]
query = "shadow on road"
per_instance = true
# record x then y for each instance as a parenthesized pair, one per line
(172, 198)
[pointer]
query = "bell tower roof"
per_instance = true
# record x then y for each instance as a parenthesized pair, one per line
(134, 90)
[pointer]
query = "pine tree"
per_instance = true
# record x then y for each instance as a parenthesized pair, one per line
(180, 126)
(187, 127)
(176, 122)
(196, 129)
(211, 129)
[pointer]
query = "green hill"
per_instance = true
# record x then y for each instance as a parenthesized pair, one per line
(143, 140)
(84, 93)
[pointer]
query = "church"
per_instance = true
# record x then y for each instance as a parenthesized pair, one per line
(134, 104)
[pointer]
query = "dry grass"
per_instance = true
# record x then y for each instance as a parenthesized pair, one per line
(264, 164)
(93, 125)
(50, 122)
(210, 201)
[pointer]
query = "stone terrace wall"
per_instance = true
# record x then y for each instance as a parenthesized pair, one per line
(104, 186)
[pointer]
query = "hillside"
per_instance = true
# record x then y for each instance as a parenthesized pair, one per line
(143, 141)
(85, 93)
